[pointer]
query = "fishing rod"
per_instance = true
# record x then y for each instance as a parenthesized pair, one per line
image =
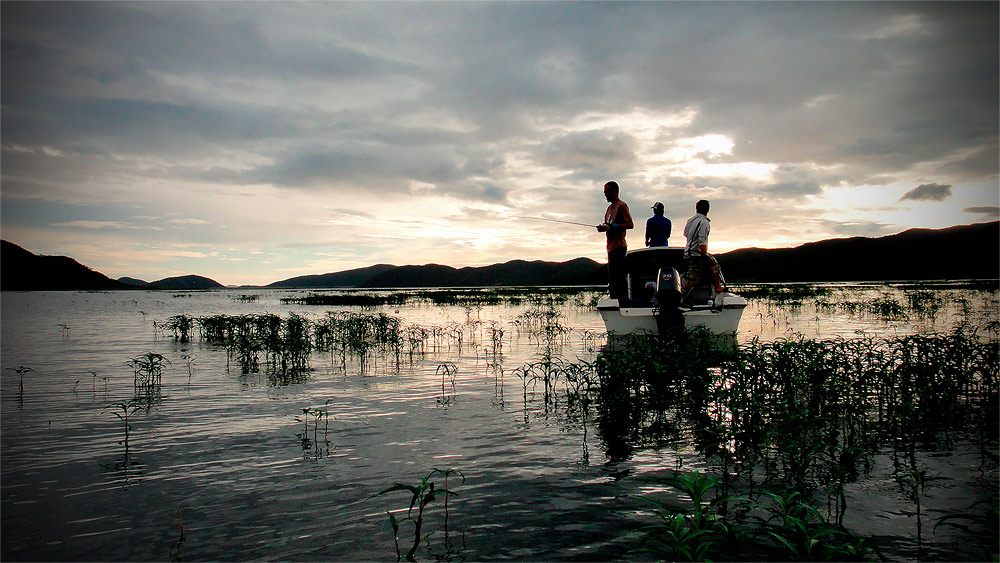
(556, 221)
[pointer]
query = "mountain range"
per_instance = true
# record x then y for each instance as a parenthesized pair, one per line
(961, 252)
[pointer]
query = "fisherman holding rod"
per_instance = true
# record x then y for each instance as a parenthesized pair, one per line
(617, 220)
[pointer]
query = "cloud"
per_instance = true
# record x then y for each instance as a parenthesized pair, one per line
(286, 125)
(987, 211)
(188, 222)
(101, 225)
(856, 228)
(928, 192)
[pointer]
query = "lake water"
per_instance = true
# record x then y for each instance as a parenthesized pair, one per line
(225, 466)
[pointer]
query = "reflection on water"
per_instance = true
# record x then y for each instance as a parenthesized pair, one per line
(221, 464)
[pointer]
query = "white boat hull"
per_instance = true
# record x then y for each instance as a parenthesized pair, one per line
(721, 317)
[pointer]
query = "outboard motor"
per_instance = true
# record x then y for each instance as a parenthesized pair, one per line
(669, 319)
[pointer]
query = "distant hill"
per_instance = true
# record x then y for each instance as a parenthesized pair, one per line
(134, 282)
(963, 252)
(21, 270)
(186, 282)
(347, 278)
(179, 282)
(580, 271)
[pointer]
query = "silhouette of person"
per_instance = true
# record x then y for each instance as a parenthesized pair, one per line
(696, 253)
(617, 220)
(657, 227)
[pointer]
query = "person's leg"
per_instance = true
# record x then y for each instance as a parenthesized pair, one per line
(713, 265)
(617, 282)
(692, 274)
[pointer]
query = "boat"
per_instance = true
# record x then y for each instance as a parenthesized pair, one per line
(655, 303)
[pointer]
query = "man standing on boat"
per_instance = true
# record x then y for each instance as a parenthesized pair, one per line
(657, 227)
(696, 252)
(616, 221)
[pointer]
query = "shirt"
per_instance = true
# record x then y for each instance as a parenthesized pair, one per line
(617, 213)
(696, 232)
(657, 230)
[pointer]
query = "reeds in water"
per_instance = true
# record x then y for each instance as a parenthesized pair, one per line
(799, 419)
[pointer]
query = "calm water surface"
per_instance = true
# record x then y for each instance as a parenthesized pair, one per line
(221, 454)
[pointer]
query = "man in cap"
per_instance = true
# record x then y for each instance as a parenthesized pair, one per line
(657, 227)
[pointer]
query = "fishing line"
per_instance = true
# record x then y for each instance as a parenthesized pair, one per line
(556, 221)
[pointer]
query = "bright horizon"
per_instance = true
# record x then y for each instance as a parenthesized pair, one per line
(256, 142)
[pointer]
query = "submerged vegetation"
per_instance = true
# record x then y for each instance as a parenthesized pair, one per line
(789, 426)
(785, 431)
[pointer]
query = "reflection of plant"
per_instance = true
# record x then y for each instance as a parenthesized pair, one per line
(981, 523)
(422, 495)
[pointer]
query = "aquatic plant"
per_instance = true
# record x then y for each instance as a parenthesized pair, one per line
(447, 371)
(147, 374)
(803, 531)
(20, 371)
(318, 414)
(684, 534)
(348, 300)
(421, 495)
(175, 549)
(181, 326)
(123, 410)
(789, 294)
(804, 416)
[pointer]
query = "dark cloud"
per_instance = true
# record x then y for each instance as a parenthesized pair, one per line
(987, 211)
(590, 150)
(928, 192)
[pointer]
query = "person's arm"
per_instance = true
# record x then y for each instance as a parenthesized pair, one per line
(626, 218)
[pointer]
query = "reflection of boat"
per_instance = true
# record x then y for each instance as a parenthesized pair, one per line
(653, 280)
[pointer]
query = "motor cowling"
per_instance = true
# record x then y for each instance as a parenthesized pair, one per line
(669, 318)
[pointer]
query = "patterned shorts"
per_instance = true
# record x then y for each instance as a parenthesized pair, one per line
(697, 265)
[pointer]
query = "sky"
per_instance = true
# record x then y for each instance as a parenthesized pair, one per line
(255, 142)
